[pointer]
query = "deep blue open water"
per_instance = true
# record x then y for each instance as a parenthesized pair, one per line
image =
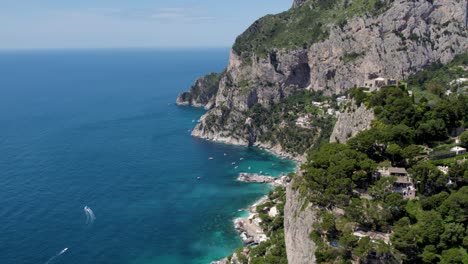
(100, 129)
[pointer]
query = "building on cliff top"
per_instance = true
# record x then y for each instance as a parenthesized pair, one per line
(379, 82)
(458, 150)
(398, 172)
(404, 186)
(403, 183)
(392, 171)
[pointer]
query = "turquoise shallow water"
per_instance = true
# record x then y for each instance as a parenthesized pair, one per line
(100, 128)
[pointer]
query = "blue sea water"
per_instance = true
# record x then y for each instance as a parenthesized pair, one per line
(100, 129)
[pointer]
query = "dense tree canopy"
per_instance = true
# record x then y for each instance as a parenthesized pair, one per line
(334, 171)
(431, 229)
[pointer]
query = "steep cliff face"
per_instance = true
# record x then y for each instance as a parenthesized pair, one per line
(402, 39)
(354, 120)
(202, 93)
(395, 41)
(297, 227)
(244, 86)
(407, 37)
(298, 3)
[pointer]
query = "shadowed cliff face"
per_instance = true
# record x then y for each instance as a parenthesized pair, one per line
(202, 93)
(399, 40)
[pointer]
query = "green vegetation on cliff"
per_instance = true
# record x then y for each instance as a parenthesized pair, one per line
(281, 119)
(303, 26)
(272, 251)
(204, 89)
(431, 84)
(363, 214)
(278, 125)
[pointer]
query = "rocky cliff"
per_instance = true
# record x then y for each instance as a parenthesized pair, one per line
(298, 223)
(202, 92)
(298, 3)
(352, 121)
(395, 41)
(327, 46)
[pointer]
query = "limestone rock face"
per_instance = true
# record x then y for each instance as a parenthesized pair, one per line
(298, 223)
(354, 120)
(404, 39)
(264, 81)
(297, 3)
(407, 37)
(202, 92)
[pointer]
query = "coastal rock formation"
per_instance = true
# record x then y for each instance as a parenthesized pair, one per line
(202, 93)
(354, 120)
(250, 230)
(406, 37)
(278, 150)
(395, 42)
(298, 223)
(255, 178)
(223, 261)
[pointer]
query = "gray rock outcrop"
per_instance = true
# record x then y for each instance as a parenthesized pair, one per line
(407, 37)
(298, 223)
(202, 92)
(255, 178)
(354, 120)
(297, 3)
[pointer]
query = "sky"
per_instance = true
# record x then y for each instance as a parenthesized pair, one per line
(45, 24)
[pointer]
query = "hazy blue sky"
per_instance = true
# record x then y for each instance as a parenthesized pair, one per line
(128, 23)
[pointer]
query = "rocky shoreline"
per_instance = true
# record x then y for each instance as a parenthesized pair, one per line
(255, 178)
(276, 150)
(281, 181)
(249, 228)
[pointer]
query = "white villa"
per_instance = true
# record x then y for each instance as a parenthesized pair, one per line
(377, 83)
(458, 150)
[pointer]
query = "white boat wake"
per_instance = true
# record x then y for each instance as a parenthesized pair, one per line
(90, 217)
(57, 255)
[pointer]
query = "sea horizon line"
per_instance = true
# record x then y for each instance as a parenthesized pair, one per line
(195, 48)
